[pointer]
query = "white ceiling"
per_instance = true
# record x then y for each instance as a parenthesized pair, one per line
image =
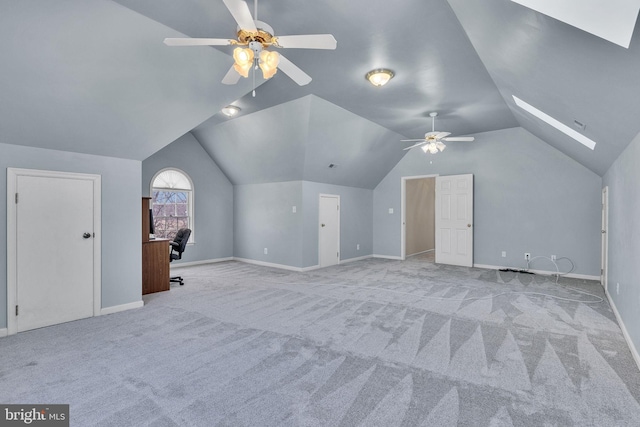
(93, 76)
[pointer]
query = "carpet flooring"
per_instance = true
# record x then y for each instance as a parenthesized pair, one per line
(368, 343)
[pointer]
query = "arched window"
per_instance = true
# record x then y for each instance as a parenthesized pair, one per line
(172, 201)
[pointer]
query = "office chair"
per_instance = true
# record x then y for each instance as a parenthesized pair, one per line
(178, 246)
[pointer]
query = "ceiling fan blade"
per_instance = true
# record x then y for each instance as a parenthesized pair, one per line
(412, 140)
(441, 135)
(232, 77)
(416, 145)
(310, 41)
(459, 138)
(292, 70)
(196, 42)
(241, 13)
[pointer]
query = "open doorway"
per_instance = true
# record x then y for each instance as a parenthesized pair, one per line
(418, 217)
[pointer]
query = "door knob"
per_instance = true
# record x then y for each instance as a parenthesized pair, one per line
(322, 225)
(86, 235)
(468, 225)
(604, 231)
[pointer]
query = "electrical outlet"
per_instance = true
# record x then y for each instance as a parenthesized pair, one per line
(390, 210)
(358, 247)
(504, 254)
(553, 258)
(293, 209)
(617, 288)
(527, 256)
(266, 251)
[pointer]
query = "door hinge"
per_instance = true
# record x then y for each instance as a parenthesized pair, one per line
(338, 207)
(601, 271)
(338, 254)
(16, 198)
(16, 310)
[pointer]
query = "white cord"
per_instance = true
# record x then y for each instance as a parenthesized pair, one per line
(558, 274)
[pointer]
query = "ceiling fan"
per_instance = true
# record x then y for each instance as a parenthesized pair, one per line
(253, 39)
(432, 141)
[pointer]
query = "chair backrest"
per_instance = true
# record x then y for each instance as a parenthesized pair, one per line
(182, 237)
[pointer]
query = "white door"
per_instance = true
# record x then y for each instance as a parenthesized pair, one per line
(454, 220)
(329, 230)
(54, 250)
(605, 241)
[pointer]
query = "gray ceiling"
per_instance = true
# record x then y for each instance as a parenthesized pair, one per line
(93, 76)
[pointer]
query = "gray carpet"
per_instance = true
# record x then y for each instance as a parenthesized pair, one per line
(371, 343)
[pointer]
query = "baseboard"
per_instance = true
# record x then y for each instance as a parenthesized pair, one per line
(541, 272)
(273, 265)
(3, 332)
(360, 258)
(207, 261)
(123, 307)
(397, 258)
(625, 333)
(420, 253)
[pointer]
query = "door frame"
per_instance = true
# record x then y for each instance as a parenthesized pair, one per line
(604, 250)
(12, 227)
(403, 211)
(335, 196)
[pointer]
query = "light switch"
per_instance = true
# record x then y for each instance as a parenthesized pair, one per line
(390, 210)
(293, 209)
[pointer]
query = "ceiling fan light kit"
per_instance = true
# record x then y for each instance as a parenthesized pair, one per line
(379, 77)
(253, 39)
(432, 141)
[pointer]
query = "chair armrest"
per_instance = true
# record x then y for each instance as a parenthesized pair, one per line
(174, 244)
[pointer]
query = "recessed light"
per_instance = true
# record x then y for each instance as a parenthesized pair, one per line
(230, 110)
(379, 77)
(555, 123)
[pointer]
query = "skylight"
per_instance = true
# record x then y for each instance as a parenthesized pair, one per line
(612, 20)
(556, 124)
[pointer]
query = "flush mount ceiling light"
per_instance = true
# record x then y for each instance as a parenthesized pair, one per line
(379, 77)
(230, 110)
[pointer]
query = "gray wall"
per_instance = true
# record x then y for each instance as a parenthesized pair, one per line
(356, 220)
(264, 218)
(212, 197)
(121, 248)
(529, 197)
(623, 180)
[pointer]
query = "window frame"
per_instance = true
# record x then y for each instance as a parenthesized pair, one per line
(191, 199)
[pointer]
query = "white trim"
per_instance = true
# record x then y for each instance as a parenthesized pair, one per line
(207, 261)
(331, 196)
(387, 257)
(271, 264)
(541, 272)
(604, 250)
(360, 258)
(12, 283)
(420, 253)
(625, 333)
(121, 307)
(403, 210)
(3, 332)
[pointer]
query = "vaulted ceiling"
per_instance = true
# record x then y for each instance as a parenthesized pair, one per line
(93, 76)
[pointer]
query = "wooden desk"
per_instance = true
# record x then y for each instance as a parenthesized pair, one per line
(155, 266)
(155, 257)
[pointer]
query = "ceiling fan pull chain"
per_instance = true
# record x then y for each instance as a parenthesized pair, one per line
(254, 83)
